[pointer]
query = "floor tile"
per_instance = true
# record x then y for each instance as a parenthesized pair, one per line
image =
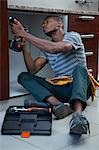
(60, 138)
(13, 143)
(90, 143)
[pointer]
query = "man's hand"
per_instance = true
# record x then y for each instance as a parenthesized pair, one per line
(17, 28)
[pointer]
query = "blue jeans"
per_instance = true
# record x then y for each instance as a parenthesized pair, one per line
(40, 89)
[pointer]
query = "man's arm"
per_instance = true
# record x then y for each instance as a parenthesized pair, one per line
(46, 45)
(33, 66)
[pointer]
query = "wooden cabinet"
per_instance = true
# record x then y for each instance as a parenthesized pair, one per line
(84, 24)
(4, 53)
(88, 27)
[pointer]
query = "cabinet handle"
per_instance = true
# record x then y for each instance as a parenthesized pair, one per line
(88, 53)
(90, 70)
(87, 36)
(86, 18)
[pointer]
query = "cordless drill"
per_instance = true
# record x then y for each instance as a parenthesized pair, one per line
(15, 44)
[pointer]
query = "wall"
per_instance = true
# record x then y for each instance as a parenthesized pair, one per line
(56, 4)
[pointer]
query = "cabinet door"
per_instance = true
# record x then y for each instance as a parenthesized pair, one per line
(4, 57)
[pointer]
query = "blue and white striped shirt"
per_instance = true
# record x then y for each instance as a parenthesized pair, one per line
(63, 63)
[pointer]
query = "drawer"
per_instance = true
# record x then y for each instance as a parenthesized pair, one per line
(83, 24)
(91, 45)
(92, 60)
(92, 64)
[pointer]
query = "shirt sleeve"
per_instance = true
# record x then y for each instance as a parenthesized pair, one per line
(74, 38)
(42, 54)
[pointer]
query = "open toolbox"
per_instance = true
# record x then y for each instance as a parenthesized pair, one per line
(25, 122)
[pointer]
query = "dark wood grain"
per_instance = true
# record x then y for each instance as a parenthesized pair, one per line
(4, 52)
(91, 44)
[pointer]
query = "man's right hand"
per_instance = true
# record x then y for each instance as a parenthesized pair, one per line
(17, 28)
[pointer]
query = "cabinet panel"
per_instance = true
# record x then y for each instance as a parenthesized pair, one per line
(88, 27)
(4, 56)
(90, 44)
(92, 61)
(84, 24)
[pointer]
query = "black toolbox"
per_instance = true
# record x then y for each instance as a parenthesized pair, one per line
(27, 121)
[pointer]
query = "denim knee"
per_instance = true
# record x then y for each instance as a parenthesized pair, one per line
(80, 67)
(22, 76)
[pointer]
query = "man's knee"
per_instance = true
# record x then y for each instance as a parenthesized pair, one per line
(22, 76)
(81, 69)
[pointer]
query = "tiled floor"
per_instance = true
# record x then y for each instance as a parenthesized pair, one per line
(60, 138)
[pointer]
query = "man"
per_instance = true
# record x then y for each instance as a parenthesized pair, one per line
(66, 56)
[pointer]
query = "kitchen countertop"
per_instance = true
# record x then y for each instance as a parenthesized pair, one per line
(48, 10)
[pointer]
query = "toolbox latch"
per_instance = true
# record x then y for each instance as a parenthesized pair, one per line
(27, 124)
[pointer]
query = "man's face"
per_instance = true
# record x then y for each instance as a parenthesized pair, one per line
(50, 25)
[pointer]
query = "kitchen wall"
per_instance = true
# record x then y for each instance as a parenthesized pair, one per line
(91, 5)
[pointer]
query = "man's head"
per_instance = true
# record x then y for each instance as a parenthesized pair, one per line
(52, 24)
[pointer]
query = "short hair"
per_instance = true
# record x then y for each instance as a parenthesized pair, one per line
(57, 18)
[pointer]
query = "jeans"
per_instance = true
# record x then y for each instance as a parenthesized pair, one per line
(40, 89)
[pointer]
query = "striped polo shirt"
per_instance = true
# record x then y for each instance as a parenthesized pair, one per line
(63, 63)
